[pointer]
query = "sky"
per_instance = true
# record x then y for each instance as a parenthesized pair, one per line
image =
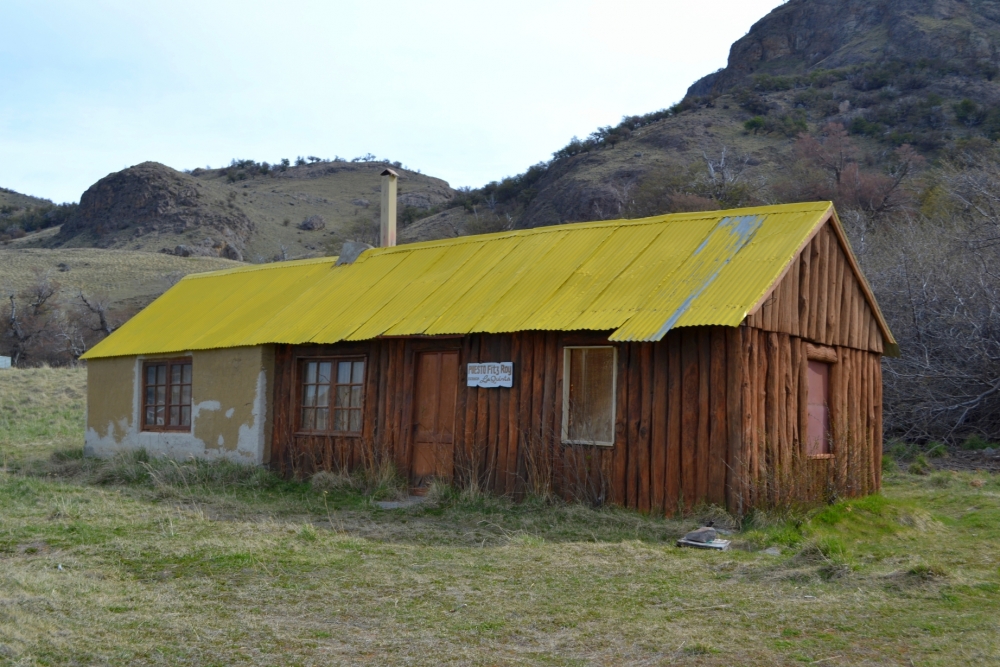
(466, 91)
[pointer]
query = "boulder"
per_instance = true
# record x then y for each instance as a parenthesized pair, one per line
(313, 223)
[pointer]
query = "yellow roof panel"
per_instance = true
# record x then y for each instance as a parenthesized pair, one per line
(636, 278)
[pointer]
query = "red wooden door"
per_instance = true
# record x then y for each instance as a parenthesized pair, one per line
(818, 436)
(434, 399)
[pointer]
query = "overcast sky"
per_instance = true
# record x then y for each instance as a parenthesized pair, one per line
(467, 91)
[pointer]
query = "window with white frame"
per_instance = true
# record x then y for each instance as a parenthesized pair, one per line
(589, 378)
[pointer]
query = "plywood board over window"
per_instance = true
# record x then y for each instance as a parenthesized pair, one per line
(166, 404)
(589, 379)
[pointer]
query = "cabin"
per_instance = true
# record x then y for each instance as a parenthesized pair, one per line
(722, 357)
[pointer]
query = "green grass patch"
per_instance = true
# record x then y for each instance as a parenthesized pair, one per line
(140, 560)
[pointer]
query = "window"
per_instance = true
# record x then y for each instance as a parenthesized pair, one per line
(166, 396)
(818, 434)
(331, 395)
(589, 375)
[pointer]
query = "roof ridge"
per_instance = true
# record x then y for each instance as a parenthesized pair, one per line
(270, 266)
(591, 224)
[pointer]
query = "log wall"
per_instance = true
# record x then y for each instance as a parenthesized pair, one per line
(819, 299)
(775, 392)
(677, 420)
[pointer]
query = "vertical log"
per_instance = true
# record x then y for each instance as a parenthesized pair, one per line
(760, 453)
(837, 262)
(815, 254)
(793, 296)
(513, 405)
(672, 470)
(877, 362)
(704, 413)
(525, 381)
(645, 425)
(846, 306)
(748, 370)
(634, 415)
(773, 415)
(620, 462)
(689, 415)
(804, 291)
(824, 284)
(658, 435)
(734, 419)
(718, 435)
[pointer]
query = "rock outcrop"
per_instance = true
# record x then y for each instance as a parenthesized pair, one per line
(803, 35)
(151, 197)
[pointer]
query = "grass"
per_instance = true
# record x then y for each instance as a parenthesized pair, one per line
(144, 561)
(125, 276)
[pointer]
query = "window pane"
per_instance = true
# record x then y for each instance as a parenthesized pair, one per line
(308, 419)
(321, 415)
(343, 398)
(150, 416)
(311, 372)
(161, 395)
(324, 372)
(186, 416)
(175, 394)
(356, 396)
(150, 395)
(186, 395)
(150, 374)
(309, 398)
(161, 375)
(323, 395)
(175, 373)
(159, 415)
(355, 425)
(175, 416)
(358, 376)
(187, 374)
(344, 372)
(340, 420)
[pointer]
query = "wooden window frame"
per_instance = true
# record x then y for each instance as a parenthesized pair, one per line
(564, 435)
(300, 383)
(166, 428)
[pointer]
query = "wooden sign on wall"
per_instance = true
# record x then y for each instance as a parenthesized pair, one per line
(491, 374)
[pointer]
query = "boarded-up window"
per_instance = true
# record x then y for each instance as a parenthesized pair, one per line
(331, 395)
(818, 435)
(589, 395)
(166, 395)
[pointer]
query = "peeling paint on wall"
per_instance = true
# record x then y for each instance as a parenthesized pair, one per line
(230, 405)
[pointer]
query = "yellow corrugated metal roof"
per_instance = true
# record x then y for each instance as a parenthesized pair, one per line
(637, 278)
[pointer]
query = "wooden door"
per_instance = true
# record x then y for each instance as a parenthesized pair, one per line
(434, 398)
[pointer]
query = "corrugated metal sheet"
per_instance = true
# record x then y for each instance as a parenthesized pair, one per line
(638, 278)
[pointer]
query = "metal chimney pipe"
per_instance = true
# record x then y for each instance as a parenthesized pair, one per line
(387, 239)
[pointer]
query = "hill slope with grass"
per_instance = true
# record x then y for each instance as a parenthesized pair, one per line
(247, 212)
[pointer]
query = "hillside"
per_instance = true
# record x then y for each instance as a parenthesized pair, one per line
(242, 212)
(127, 279)
(11, 201)
(917, 72)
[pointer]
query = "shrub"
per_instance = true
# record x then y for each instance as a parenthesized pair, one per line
(754, 125)
(920, 466)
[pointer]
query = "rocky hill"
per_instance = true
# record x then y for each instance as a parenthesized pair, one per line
(891, 72)
(243, 212)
